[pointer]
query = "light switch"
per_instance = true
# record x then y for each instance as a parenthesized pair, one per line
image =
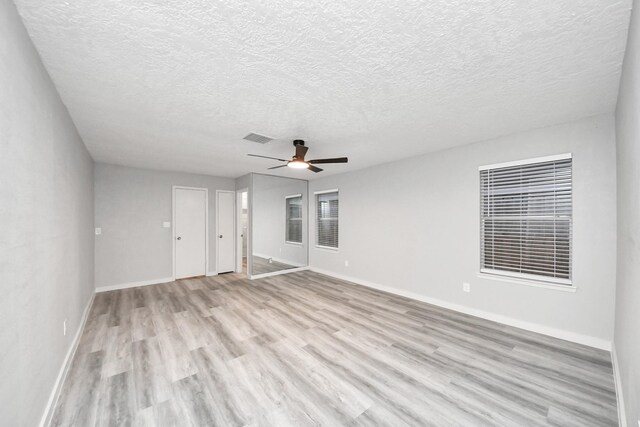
(166, 224)
(98, 231)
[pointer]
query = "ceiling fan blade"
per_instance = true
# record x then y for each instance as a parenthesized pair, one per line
(336, 160)
(301, 150)
(267, 157)
(315, 169)
(276, 167)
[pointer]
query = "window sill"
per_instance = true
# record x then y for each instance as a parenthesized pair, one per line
(528, 282)
(293, 243)
(327, 248)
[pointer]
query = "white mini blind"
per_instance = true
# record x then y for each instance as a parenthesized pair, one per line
(327, 206)
(526, 215)
(294, 219)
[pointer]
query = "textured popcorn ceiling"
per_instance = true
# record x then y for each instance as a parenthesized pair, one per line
(177, 84)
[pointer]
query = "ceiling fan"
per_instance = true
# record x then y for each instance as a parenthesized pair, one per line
(298, 161)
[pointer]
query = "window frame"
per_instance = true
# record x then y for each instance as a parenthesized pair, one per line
(315, 196)
(526, 278)
(287, 219)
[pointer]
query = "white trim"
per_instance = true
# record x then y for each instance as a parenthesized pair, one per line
(250, 226)
(529, 326)
(134, 284)
(277, 273)
(527, 161)
(64, 369)
(525, 280)
(235, 200)
(238, 232)
(327, 248)
(293, 196)
(617, 379)
(212, 273)
(173, 233)
(334, 190)
(173, 226)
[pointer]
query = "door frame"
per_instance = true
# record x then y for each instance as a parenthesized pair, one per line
(235, 227)
(239, 228)
(206, 226)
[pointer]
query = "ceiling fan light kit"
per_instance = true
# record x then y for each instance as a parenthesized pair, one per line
(297, 164)
(298, 161)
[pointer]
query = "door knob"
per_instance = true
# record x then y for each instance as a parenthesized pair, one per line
(179, 238)
(220, 236)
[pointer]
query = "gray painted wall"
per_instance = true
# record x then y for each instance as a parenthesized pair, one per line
(414, 225)
(627, 322)
(268, 215)
(130, 206)
(46, 246)
(243, 182)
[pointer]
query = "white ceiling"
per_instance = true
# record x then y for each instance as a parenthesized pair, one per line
(176, 84)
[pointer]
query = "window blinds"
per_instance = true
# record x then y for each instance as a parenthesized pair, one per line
(294, 219)
(327, 219)
(526, 219)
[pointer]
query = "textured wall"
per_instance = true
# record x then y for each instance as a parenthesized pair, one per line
(46, 212)
(131, 205)
(414, 225)
(627, 329)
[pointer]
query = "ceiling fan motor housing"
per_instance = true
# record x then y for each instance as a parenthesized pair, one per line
(300, 152)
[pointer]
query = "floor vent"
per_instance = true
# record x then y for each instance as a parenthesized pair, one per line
(260, 139)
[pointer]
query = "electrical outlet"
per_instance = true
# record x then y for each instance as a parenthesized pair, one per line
(64, 328)
(166, 224)
(98, 231)
(466, 287)
(346, 263)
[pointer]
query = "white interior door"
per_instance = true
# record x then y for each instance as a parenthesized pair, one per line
(242, 216)
(226, 236)
(190, 222)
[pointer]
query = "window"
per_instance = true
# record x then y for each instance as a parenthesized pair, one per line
(294, 219)
(327, 219)
(526, 219)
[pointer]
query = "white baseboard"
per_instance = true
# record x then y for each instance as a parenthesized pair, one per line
(277, 273)
(622, 415)
(134, 284)
(529, 326)
(64, 369)
(280, 260)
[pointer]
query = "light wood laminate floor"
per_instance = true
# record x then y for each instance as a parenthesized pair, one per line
(305, 349)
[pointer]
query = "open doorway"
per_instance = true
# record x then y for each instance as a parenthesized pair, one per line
(242, 200)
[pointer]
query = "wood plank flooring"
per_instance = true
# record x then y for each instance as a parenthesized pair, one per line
(305, 349)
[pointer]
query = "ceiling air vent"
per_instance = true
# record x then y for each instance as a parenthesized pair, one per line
(260, 139)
